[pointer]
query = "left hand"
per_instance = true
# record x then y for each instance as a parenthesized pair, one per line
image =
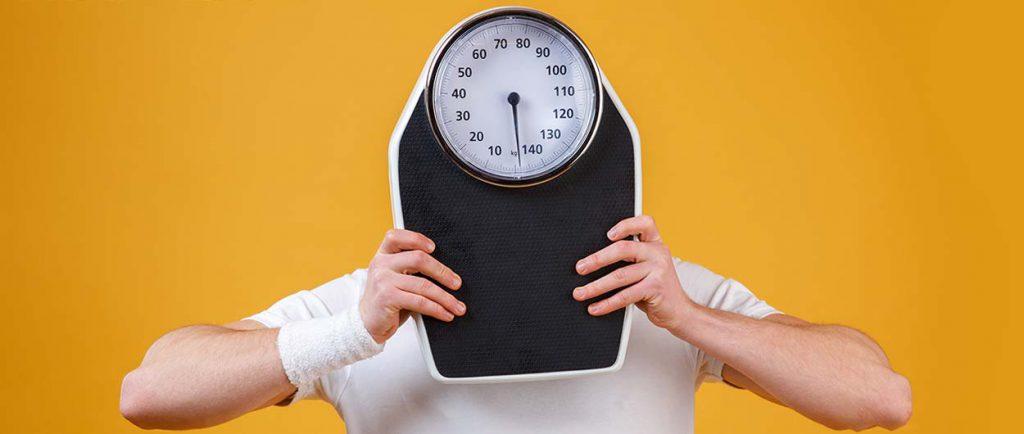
(650, 281)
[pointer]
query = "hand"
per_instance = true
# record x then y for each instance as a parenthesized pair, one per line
(650, 282)
(392, 292)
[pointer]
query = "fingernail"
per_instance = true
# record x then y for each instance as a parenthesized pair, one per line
(592, 308)
(577, 293)
(461, 308)
(458, 281)
(432, 246)
(611, 234)
(579, 267)
(450, 317)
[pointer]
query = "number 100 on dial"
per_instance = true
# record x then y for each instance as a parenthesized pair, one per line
(514, 99)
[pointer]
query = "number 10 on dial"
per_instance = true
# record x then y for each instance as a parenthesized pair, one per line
(514, 98)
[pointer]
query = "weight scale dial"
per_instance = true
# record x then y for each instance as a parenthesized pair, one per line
(513, 97)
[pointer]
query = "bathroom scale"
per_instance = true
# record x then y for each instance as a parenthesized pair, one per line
(515, 156)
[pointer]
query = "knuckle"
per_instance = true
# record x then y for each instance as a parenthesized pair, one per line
(662, 251)
(665, 262)
(613, 302)
(390, 278)
(619, 275)
(425, 286)
(628, 249)
(381, 261)
(421, 258)
(655, 278)
(422, 304)
(647, 220)
(453, 303)
(652, 295)
(390, 235)
(621, 298)
(651, 291)
(641, 293)
(388, 296)
(440, 312)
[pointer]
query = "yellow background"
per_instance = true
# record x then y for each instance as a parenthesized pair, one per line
(167, 163)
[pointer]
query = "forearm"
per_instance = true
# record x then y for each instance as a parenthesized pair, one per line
(832, 374)
(204, 375)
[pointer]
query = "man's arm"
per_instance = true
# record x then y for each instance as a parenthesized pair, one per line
(832, 374)
(203, 375)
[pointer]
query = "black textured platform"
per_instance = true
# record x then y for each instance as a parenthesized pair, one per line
(516, 250)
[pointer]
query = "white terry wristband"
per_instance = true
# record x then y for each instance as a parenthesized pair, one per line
(312, 348)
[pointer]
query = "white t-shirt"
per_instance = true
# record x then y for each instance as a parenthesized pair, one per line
(393, 392)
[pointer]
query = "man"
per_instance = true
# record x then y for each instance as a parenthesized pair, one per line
(698, 326)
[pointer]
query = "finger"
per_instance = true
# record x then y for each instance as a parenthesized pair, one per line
(426, 288)
(618, 301)
(629, 251)
(642, 226)
(620, 278)
(397, 240)
(420, 304)
(417, 261)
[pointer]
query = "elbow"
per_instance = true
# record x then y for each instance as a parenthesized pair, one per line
(136, 403)
(896, 404)
(892, 406)
(889, 408)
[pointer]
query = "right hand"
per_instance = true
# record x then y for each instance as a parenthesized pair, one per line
(392, 290)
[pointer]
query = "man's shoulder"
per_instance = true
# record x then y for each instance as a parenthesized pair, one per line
(698, 282)
(692, 273)
(354, 280)
(341, 293)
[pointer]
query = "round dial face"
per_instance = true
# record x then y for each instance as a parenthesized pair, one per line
(514, 99)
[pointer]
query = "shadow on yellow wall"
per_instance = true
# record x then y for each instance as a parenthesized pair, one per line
(166, 163)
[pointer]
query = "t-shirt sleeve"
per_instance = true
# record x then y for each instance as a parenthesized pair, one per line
(711, 290)
(329, 299)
